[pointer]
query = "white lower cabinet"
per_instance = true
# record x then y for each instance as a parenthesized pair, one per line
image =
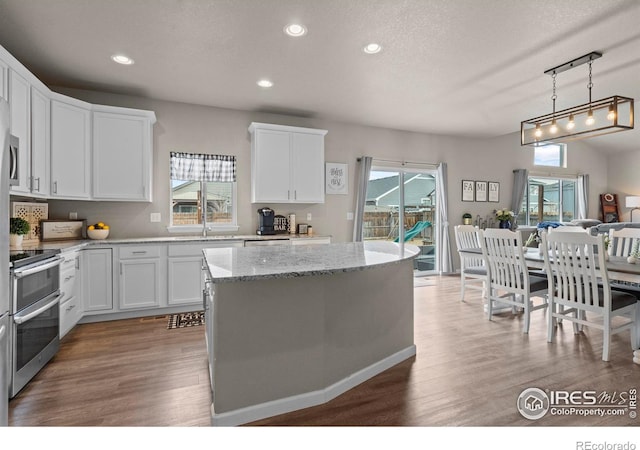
(185, 279)
(311, 240)
(70, 302)
(97, 280)
(139, 277)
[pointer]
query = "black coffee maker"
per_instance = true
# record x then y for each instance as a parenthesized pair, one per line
(265, 221)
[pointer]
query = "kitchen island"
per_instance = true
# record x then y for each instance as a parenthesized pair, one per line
(292, 327)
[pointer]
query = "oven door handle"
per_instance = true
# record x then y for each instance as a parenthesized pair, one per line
(20, 319)
(21, 273)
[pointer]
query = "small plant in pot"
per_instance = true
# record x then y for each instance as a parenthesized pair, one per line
(18, 227)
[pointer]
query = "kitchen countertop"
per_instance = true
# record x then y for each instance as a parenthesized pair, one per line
(253, 263)
(72, 245)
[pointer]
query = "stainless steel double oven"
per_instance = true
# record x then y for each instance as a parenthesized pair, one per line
(34, 314)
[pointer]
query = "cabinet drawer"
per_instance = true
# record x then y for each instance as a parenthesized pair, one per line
(139, 252)
(68, 283)
(70, 313)
(69, 261)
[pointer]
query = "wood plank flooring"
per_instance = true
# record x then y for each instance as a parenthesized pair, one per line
(468, 371)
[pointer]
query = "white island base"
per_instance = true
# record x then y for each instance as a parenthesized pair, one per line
(281, 344)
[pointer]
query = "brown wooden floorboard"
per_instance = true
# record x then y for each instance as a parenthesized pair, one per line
(468, 371)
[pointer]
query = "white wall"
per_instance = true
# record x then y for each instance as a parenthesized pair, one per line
(193, 128)
(624, 179)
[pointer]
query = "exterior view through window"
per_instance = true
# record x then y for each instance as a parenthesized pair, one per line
(387, 209)
(548, 199)
(186, 202)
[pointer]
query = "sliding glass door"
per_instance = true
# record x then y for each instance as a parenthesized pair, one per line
(401, 206)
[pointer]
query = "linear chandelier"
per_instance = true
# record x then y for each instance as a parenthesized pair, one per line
(604, 116)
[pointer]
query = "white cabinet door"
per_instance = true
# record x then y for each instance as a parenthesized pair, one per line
(70, 150)
(4, 80)
(40, 143)
(70, 301)
(185, 280)
(307, 167)
(139, 283)
(97, 280)
(20, 106)
(122, 157)
(271, 167)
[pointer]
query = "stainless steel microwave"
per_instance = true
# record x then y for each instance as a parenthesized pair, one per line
(14, 160)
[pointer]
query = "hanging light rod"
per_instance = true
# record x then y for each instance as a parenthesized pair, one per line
(574, 63)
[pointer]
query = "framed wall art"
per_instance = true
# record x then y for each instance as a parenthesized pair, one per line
(494, 191)
(481, 191)
(336, 178)
(468, 191)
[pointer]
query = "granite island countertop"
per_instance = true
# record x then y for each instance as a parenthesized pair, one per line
(253, 263)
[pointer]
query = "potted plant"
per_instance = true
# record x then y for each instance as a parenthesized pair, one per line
(466, 218)
(505, 217)
(18, 227)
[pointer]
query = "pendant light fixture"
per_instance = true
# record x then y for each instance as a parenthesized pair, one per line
(604, 116)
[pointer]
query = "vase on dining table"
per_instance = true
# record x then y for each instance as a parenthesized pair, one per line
(505, 224)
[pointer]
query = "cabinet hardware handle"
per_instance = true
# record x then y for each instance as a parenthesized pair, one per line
(77, 262)
(295, 195)
(55, 187)
(139, 252)
(38, 180)
(68, 278)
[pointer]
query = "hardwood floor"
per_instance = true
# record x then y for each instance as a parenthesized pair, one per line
(468, 372)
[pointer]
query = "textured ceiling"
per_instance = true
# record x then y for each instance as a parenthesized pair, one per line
(455, 67)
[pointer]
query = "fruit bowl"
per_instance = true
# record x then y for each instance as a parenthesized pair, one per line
(97, 234)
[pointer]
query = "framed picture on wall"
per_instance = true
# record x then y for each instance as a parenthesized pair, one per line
(481, 191)
(468, 191)
(494, 191)
(336, 178)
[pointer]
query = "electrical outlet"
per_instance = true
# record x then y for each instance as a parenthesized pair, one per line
(155, 217)
(73, 216)
(349, 216)
(308, 216)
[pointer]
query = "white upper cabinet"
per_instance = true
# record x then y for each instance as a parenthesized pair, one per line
(40, 143)
(70, 149)
(122, 154)
(20, 106)
(287, 164)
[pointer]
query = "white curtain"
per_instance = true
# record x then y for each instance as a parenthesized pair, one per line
(583, 196)
(200, 167)
(445, 245)
(520, 181)
(364, 169)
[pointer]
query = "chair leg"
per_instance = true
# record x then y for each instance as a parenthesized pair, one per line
(606, 339)
(462, 287)
(576, 326)
(551, 324)
(527, 314)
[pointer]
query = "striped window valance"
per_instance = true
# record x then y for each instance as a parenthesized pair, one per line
(199, 167)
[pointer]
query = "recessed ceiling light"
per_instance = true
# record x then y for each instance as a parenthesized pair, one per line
(265, 83)
(372, 48)
(122, 59)
(295, 30)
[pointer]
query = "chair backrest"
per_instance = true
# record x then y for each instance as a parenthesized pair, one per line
(623, 241)
(504, 257)
(575, 265)
(467, 237)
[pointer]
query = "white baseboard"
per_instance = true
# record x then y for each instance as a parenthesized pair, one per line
(308, 399)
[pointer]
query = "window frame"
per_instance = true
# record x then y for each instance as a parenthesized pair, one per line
(200, 227)
(560, 180)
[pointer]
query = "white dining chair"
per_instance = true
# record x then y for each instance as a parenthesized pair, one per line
(622, 242)
(508, 280)
(473, 272)
(579, 283)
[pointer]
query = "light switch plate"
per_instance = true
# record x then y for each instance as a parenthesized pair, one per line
(308, 216)
(155, 217)
(349, 216)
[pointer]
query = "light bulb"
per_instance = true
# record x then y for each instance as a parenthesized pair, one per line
(571, 124)
(554, 127)
(590, 120)
(538, 131)
(612, 113)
